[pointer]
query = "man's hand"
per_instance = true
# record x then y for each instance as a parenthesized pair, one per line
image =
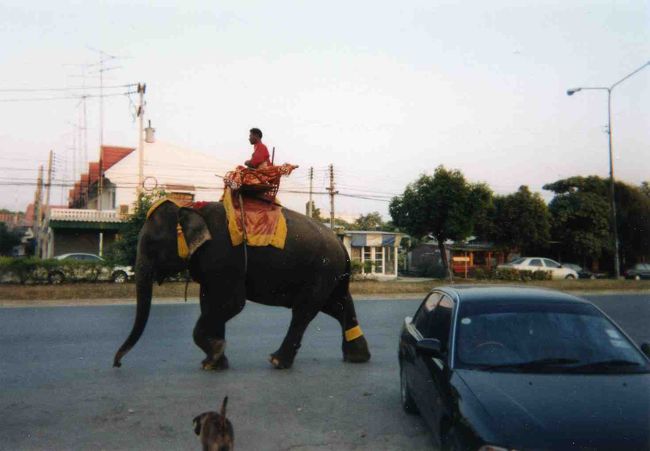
(248, 163)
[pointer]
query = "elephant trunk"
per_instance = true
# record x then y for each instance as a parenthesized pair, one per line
(144, 287)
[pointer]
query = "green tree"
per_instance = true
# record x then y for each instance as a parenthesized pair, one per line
(581, 213)
(371, 221)
(645, 188)
(8, 239)
(444, 205)
(124, 250)
(518, 221)
(315, 212)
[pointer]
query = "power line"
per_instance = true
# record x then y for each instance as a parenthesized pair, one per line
(74, 88)
(43, 99)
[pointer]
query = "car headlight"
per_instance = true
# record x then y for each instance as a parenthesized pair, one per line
(494, 448)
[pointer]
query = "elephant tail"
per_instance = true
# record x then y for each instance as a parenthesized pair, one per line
(144, 287)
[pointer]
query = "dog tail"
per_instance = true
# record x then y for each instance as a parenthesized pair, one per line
(223, 407)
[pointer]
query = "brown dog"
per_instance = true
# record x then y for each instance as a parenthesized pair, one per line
(215, 430)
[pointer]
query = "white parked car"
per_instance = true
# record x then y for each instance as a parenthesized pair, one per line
(541, 264)
(117, 274)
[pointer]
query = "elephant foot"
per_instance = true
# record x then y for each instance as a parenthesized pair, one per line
(220, 364)
(356, 351)
(279, 362)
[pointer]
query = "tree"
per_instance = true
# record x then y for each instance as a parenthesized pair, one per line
(645, 188)
(315, 212)
(124, 250)
(516, 221)
(581, 218)
(8, 239)
(371, 221)
(444, 205)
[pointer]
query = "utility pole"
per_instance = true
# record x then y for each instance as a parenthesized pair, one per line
(38, 210)
(332, 194)
(49, 181)
(310, 205)
(142, 88)
(48, 189)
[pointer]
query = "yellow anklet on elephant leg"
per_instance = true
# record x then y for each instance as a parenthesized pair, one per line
(353, 333)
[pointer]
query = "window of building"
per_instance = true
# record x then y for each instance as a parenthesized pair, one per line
(379, 260)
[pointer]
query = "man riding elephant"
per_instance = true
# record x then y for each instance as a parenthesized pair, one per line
(308, 272)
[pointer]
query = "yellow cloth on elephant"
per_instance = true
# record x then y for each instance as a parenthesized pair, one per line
(265, 223)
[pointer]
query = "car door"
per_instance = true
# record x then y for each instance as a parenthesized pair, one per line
(419, 326)
(555, 268)
(535, 264)
(433, 372)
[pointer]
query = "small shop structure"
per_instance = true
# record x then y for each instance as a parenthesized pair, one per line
(464, 258)
(376, 252)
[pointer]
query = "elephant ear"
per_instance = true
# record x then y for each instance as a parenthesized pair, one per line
(194, 229)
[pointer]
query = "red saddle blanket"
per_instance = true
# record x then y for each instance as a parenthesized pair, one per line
(265, 224)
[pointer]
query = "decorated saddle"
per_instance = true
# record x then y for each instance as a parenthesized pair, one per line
(254, 214)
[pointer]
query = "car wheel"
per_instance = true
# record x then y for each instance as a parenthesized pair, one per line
(570, 277)
(120, 277)
(56, 278)
(405, 394)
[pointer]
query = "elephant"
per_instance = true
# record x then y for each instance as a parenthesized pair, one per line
(310, 275)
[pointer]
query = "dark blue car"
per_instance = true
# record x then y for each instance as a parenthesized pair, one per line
(503, 368)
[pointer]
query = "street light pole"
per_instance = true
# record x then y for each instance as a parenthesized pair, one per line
(570, 92)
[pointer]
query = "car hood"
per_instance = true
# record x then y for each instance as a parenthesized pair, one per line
(557, 411)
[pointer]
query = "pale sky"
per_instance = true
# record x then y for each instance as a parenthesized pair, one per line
(383, 90)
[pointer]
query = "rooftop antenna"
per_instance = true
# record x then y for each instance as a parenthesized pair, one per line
(105, 61)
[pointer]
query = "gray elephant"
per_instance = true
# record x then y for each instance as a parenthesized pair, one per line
(310, 275)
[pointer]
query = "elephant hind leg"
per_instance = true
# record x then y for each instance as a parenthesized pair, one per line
(354, 345)
(306, 306)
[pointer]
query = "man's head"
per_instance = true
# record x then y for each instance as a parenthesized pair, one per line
(255, 135)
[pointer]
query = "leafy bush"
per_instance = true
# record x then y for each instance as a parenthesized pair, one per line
(355, 267)
(513, 275)
(33, 270)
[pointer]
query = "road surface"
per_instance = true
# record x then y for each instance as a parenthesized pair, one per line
(59, 391)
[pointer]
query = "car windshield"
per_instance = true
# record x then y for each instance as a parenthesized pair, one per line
(517, 261)
(542, 337)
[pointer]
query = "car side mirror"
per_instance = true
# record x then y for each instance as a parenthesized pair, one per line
(430, 347)
(645, 347)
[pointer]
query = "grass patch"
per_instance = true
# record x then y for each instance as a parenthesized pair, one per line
(90, 291)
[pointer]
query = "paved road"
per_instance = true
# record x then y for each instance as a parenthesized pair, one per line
(60, 392)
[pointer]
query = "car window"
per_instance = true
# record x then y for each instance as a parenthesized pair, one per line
(439, 323)
(551, 263)
(75, 257)
(535, 262)
(422, 315)
(493, 333)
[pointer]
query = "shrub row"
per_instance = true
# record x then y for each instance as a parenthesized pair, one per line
(34, 270)
(511, 274)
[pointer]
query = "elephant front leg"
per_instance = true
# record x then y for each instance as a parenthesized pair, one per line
(219, 303)
(212, 343)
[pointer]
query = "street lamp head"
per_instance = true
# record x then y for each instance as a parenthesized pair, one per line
(570, 92)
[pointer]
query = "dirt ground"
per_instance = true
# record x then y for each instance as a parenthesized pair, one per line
(108, 293)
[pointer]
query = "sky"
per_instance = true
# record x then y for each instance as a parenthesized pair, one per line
(384, 91)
